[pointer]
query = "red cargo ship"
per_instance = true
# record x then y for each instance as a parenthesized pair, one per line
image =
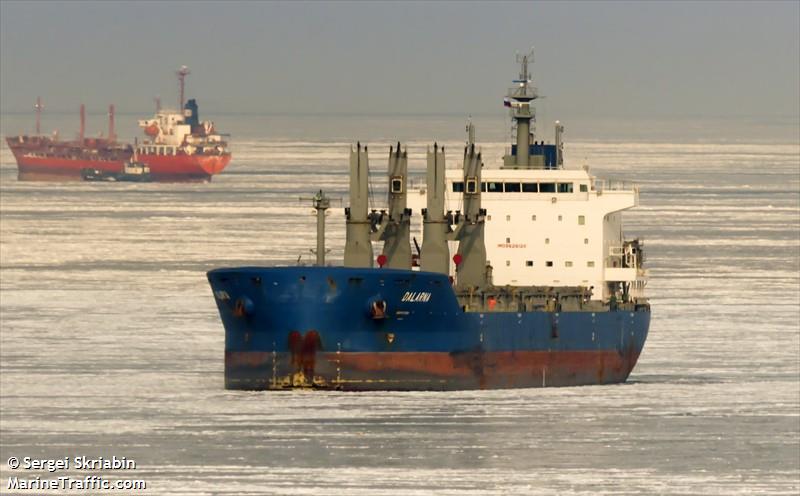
(179, 148)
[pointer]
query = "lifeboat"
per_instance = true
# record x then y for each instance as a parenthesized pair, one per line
(152, 130)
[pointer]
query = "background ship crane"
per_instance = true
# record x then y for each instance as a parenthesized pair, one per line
(38, 108)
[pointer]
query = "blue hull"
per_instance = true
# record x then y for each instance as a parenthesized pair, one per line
(316, 327)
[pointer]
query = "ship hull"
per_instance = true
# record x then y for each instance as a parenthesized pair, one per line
(196, 168)
(297, 327)
(61, 169)
(35, 166)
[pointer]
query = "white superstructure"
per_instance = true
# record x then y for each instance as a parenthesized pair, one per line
(173, 132)
(546, 225)
(181, 132)
(553, 227)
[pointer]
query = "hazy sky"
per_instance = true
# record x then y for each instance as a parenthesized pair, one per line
(593, 59)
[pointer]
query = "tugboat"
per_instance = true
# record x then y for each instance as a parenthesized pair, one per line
(543, 289)
(131, 171)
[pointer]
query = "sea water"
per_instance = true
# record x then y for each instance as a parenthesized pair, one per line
(111, 345)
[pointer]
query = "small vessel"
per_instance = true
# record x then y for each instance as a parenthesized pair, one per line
(179, 148)
(543, 289)
(132, 171)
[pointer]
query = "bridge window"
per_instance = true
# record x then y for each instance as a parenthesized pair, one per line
(512, 188)
(547, 241)
(458, 187)
(584, 188)
(581, 220)
(565, 187)
(528, 263)
(560, 218)
(590, 263)
(547, 187)
(533, 217)
(508, 217)
(508, 263)
(586, 241)
(549, 263)
(494, 187)
(508, 240)
(567, 264)
(530, 188)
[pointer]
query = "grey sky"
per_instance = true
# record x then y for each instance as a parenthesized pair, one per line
(624, 59)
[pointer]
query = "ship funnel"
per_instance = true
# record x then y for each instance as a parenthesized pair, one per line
(358, 247)
(395, 232)
(191, 115)
(471, 256)
(435, 254)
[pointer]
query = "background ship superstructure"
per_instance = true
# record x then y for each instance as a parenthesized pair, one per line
(179, 147)
(452, 325)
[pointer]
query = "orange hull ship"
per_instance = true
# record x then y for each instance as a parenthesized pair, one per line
(179, 148)
(46, 159)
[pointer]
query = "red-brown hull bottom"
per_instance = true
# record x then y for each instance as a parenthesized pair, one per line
(60, 169)
(176, 168)
(427, 370)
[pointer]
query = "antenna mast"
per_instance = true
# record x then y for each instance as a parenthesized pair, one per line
(182, 73)
(321, 203)
(157, 99)
(519, 98)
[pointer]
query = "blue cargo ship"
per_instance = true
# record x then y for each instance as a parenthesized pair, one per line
(542, 290)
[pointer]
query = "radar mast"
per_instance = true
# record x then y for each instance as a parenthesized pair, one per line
(182, 73)
(519, 98)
